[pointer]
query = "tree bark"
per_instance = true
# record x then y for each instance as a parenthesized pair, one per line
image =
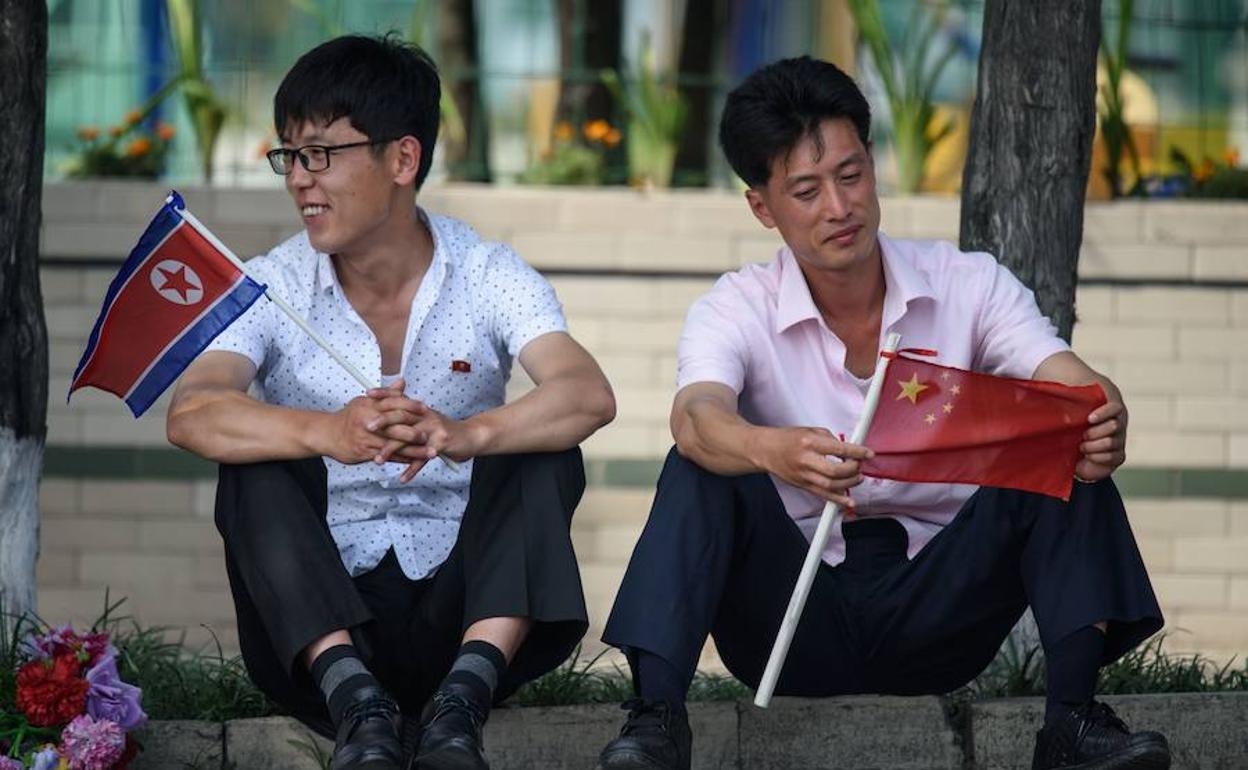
(1031, 144)
(23, 334)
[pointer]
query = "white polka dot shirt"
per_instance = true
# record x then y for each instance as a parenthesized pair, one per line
(478, 305)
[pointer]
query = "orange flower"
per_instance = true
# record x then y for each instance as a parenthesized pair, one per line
(611, 138)
(595, 130)
(133, 117)
(139, 147)
(1204, 170)
(116, 131)
(1231, 157)
(165, 131)
(88, 133)
(564, 132)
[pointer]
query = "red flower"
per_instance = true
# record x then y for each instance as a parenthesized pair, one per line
(52, 692)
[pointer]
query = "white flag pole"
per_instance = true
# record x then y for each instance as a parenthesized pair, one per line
(831, 516)
(290, 312)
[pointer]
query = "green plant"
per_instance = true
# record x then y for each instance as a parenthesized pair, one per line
(584, 681)
(1115, 133)
(1209, 179)
(1018, 670)
(206, 110)
(128, 149)
(571, 160)
(656, 111)
(908, 84)
(1149, 669)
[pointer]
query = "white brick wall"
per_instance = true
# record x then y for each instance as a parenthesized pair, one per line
(1179, 355)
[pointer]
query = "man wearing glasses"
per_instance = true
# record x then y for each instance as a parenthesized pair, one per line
(370, 576)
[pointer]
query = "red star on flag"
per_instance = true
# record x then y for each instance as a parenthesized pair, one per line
(176, 281)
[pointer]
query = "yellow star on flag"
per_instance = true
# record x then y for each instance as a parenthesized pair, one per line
(956, 390)
(930, 418)
(911, 389)
(948, 408)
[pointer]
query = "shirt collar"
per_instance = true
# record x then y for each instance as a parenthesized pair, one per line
(327, 278)
(902, 284)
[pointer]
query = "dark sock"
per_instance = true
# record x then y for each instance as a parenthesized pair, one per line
(476, 673)
(340, 673)
(659, 680)
(1072, 666)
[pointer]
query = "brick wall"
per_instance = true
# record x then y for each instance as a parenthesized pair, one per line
(1178, 351)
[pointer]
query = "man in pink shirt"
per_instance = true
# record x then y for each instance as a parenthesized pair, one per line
(924, 581)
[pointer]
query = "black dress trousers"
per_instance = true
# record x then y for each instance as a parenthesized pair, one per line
(719, 555)
(513, 558)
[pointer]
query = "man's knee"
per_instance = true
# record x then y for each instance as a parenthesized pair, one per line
(250, 493)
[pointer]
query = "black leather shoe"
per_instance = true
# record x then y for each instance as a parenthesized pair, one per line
(1092, 737)
(451, 739)
(655, 737)
(368, 737)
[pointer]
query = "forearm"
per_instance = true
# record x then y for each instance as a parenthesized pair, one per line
(1068, 369)
(228, 426)
(716, 439)
(558, 414)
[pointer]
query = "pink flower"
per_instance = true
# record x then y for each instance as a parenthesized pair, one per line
(92, 744)
(9, 763)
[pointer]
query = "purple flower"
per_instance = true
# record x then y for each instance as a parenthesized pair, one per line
(110, 698)
(92, 744)
(9, 763)
(46, 759)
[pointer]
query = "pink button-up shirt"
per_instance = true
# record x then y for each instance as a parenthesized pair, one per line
(758, 332)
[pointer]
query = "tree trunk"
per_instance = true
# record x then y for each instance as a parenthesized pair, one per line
(1031, 144)
(23, 335)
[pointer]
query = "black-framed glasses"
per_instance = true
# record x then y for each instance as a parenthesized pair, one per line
(314, 157)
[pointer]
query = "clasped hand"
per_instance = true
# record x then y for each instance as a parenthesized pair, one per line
(386, 426)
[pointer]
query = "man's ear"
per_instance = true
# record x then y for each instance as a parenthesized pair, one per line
(758, 206)
(406, 160)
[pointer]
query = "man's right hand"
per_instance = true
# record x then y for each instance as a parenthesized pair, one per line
(811, 459)
(348, 439)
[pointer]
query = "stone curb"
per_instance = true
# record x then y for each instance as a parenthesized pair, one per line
(888, 733)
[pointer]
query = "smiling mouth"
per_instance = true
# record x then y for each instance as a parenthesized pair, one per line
(844, 235)
(313, 210)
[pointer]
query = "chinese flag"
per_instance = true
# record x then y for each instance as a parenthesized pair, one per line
(935, 423)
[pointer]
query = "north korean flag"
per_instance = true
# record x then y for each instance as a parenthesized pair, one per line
(176, 291)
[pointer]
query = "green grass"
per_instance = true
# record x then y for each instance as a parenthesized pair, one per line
(1018, 671)
(583, 681)
(208, 685)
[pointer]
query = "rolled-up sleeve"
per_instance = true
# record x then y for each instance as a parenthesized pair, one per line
(712, 347)
(522, 304)
(1014, 336)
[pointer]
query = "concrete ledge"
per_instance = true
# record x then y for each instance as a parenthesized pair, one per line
(1205, 731)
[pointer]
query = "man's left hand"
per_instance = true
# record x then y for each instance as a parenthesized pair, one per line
(1104, 442)
(413, 428)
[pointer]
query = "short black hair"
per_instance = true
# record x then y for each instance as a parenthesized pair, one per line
(776, 106)
(386, 87)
